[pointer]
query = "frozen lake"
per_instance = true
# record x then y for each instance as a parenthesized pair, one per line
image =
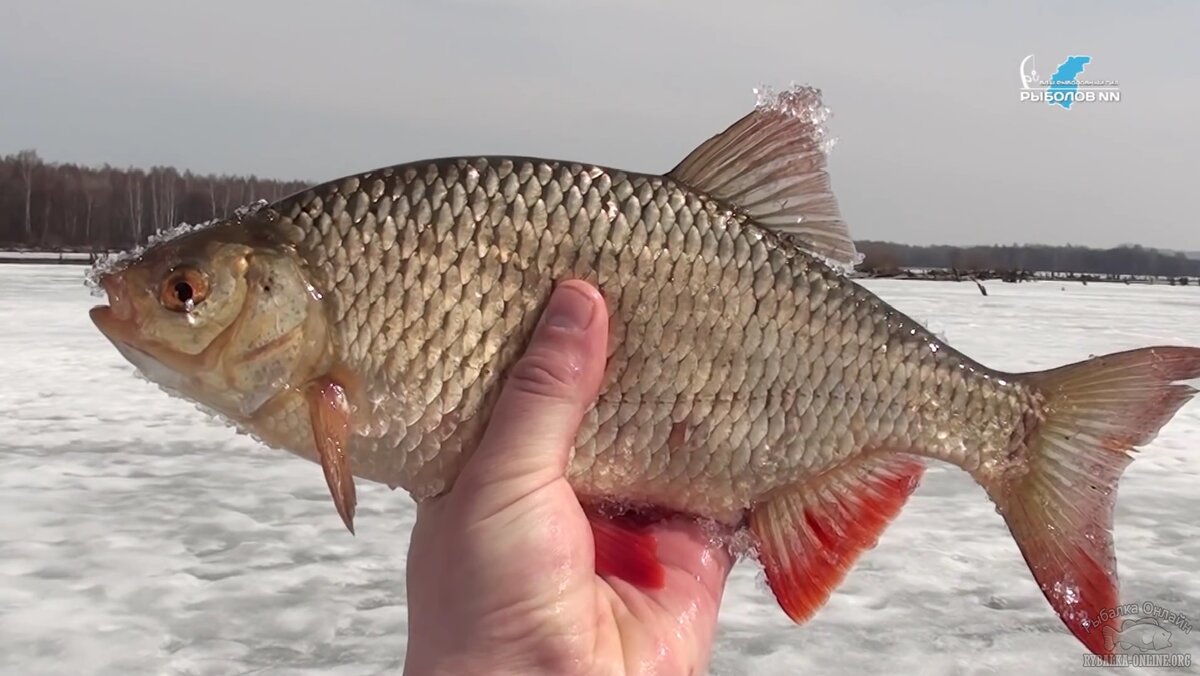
(139, 537)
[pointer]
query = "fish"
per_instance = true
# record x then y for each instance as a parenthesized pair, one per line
(367, 324)
(1144, 634)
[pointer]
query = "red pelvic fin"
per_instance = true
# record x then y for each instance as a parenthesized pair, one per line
(626, 550)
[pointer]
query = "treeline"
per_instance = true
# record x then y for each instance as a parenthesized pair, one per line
(67, 207)
(888, 257)
(53, 206)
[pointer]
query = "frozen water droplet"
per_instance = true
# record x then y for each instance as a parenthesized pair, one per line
(249, 209)
(799, 101)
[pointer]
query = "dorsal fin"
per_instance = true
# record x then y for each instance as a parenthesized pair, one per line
(771, 165)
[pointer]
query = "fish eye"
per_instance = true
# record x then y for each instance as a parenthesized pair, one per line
(183, 289)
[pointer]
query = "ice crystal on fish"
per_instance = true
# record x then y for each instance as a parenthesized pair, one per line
(799, 101)
(177, 231)
(839, 266)
(741, 544)
(249, 210)
(112, 262)
(804, 103)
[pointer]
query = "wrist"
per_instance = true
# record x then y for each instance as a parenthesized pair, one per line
(473, 666)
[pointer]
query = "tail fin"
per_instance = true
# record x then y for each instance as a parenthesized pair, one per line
(1060, 512)
(1110, 639)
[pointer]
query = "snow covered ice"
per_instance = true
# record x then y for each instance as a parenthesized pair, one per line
(137, 536)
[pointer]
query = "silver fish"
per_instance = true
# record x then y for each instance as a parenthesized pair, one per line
(367, 324)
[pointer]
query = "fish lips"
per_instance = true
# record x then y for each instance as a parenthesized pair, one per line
(115, 328)
(117, 319)
(118, 331)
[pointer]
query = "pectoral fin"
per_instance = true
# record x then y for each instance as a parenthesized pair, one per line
(330, 414)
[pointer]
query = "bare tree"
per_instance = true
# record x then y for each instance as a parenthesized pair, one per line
(135, 205)
(27, 163)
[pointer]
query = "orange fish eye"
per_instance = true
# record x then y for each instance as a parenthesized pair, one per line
(183, 289)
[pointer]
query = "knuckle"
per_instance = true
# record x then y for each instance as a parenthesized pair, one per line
(545, 374)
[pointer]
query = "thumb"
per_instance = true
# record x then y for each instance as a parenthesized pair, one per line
(536, 418)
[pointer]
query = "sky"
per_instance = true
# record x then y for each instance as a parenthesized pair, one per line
(934, 145)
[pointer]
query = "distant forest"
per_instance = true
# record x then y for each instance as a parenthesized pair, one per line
(66, 207)
(888, 257)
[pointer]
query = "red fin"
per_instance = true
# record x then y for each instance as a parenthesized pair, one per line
(809, 538)
(1060, 510)
(1110, 638)
(625, 551)
(330, 415)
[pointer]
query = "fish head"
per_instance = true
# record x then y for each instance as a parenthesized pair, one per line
(219, 316)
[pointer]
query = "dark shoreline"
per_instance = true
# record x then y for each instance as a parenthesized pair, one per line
(913, 274)
(47, 258)
(1016, 277)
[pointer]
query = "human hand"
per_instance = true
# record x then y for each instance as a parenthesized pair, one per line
(501, 570)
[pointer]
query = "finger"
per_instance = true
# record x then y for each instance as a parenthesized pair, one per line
(536, 418)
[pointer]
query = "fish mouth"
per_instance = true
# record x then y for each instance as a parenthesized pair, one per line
(116, 328)
(120, 333)
(114, 320)
(118, 322)
(120, 301)
(178, 373)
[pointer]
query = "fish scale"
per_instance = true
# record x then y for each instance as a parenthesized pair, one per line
(771, 298)
(369, 323)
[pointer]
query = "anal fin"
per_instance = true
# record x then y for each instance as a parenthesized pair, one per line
(330, 413)
(809, 538)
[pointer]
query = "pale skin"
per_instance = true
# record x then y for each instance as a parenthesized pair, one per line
(501, 570)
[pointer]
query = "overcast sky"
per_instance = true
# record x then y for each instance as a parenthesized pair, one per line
(933, 144)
